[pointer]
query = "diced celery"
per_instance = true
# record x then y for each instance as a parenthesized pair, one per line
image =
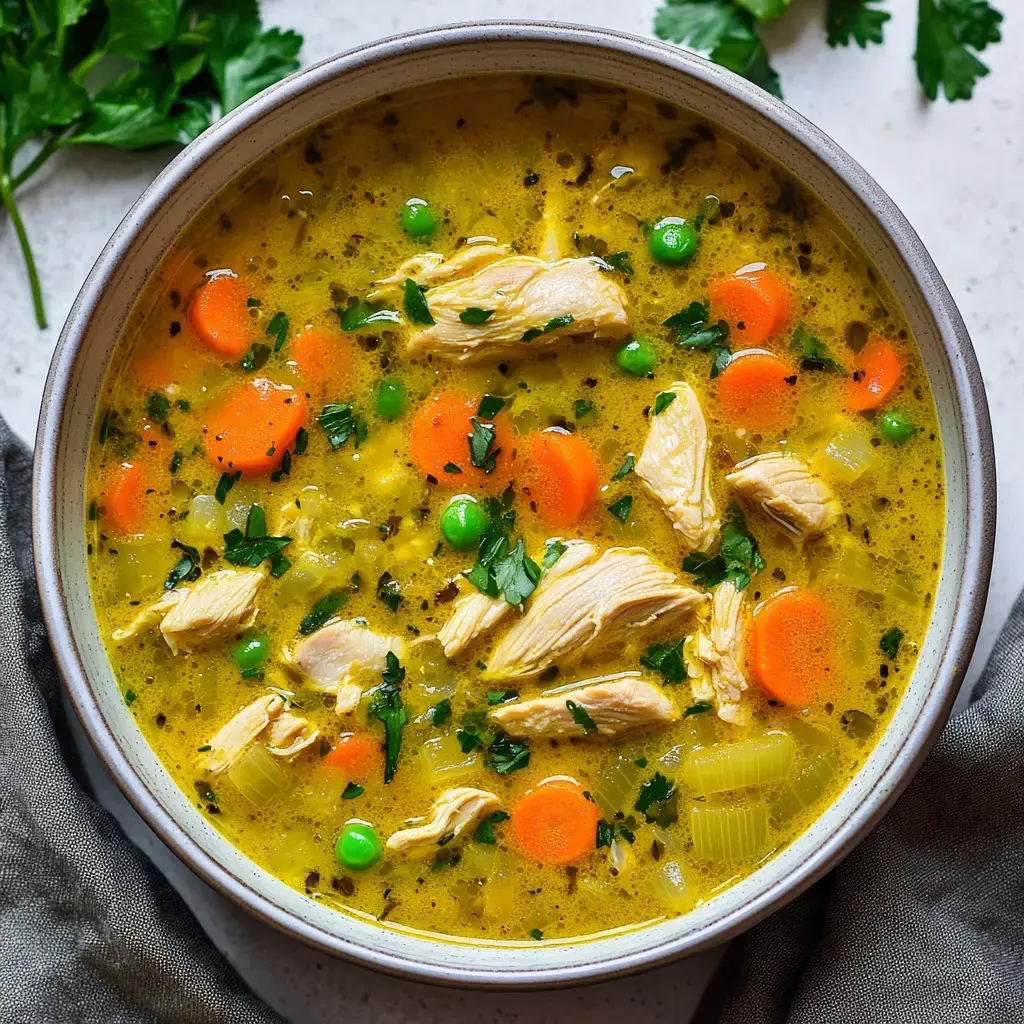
(757, 761)
(205, 524)
(444, 761)
(669, 882)
(812, 735)
(260, 777)
(848, 456)
(142, 567)
(615, 788)
(499, 889)
(807, 787)
(727, 834)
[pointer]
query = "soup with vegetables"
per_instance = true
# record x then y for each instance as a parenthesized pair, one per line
(514, 510)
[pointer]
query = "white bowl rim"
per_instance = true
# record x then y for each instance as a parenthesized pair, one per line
(979, 526)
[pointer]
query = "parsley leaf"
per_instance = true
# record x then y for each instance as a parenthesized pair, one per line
(858, 20)
(501, 696)
(738, 560)
(362, 315)
(475, 316)
(607, 832)
(278, 330)
(442, 712)
(256, 357)
(626, 468)
(697, 709)
(581, 717)
(582, 408)
(668, 660)
(389, 591)
(655, 791)
(386, 706)
(889, 645)
(188, 568)
(490, 406)
(485, 830)
(224, 485)
(811, 352)
(322, 611)
(351, 791)
(482, 453)
(556, 323)
(694, 330)
(507, 755)
(340, 423)
(536, 933)
(157, 407)
(621, 262)
(416, 309)
(516, 575)
(553, 551)
(663, 401)
(947, 32)
(621, 508)
(724, 32)
(254, 545)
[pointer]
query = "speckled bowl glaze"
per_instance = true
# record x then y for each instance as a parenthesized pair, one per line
(88, 340)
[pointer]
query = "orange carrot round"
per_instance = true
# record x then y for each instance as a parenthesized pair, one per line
(554, 823)
(793, 647)
(323, 359)
(124, 498)
(875, 377)
(252, 425)
(358, 755)
(559, 474)
(758, 391)
(220, 317)
(440, 436)
(755, 304)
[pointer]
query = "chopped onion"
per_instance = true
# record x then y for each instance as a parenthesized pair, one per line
(848, 456)
(499, 888)
(672, 841)
(816, 737)
(619, 855)
(807, 787)
(757, 761)
(260, 777)
(443, 760)
(903, 588)
(615, 788)
(142, 567)
(205, 524)
(670, 884)
(307, 574)
(857, 570)
(726, 834)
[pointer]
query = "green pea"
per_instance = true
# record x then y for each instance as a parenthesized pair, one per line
(389, 398)
(463, 522)
(672, 241)
(636, 357)
(417, 218)
(896, 426)
(251, 651)
(358, 847)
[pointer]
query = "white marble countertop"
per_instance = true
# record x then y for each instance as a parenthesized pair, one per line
(955, 170)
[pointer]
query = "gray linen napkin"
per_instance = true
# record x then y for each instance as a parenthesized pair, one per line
(924, 921)
(89, 930)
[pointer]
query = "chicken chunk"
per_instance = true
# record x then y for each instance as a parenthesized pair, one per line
(335, 655)
(716, 662)
(534, 303)
(591, 607)
(616, 706)
(475, 613)
(286, 735)
(675, 466)
(217, 606)
(788, 491)
(429, 269)
(453, 813)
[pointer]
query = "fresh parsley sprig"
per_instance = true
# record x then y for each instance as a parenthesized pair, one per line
(738, 560)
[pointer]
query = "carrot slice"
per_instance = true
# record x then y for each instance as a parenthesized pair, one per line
(559, 474)
(323, 358)
(440, 436)
(220, 317)
(358, 755)
(756, 303)
(554, 823)
(252, 426)
(877, 373)
(125, 497)
(793, 647)
(758, 391)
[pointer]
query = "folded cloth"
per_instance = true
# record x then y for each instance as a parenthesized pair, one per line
(89, 930)
(924, 921)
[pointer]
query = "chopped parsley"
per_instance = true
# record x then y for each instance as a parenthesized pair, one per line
(482, 453)
(322, 611)
(556, 323)
(362, 315)
(608, 830)
(389, 591)
(224, 485)
(582, 408)
(386, 706)
(490, 406)
(495, 697)
(738, 560)
(553, 551)
(441, 713)
(301, 441)
(668, 660)
(176, 460)
(811, 353)
(663, 401)
(697, 709)
(536, 933)
(485, 830)
(694, 330)
(496, 567)
(656, 790)
(474, 316)
(620, 261)
(341, 423)
(351, 791)
(416, 309)
(581, 717)
(253, 546)
(450, 467)
(255, 357)
(625, 469)
(621, 508)
(517, 574)
(889, 645)
(187, 570)
(157, 407)
(507, 755)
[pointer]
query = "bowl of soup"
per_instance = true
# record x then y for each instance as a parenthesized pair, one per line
(507, 526)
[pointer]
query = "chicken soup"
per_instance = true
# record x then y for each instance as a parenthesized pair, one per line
(514, 510)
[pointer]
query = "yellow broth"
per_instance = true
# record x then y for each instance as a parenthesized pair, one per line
(313, 225)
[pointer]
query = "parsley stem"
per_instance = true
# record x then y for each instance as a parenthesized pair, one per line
(7, 195)
(44, 154)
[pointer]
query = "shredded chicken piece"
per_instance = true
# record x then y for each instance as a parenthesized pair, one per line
(593, 606)
(615, 707)
(452, 813)
(286, 734)
(788, 491)
(336, 654)
(526, 294)
(715, 656)
(475, 613)
(217, 606)
(675, 466)
(429, 269)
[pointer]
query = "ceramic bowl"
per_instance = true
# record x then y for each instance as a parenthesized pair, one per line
(193, 177)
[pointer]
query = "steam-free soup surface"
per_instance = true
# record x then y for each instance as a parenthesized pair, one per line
(645, 439)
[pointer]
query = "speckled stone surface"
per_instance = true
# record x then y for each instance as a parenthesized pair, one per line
(954, 170)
